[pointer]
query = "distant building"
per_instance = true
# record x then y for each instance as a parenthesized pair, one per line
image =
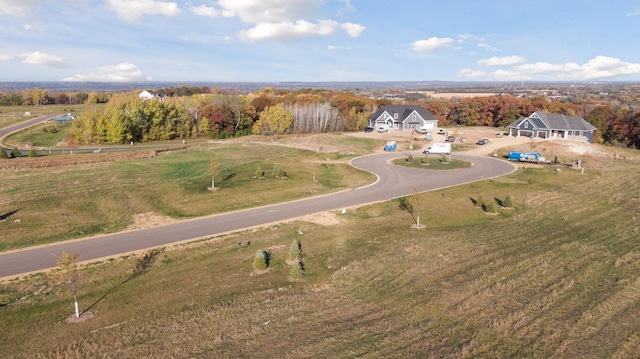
(552, 125)
(403, 117)
(150, 95)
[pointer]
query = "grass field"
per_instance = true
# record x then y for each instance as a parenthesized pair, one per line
(76, 201)
(557, 276)
(11, 115)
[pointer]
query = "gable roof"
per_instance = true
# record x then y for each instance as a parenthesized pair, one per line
(554, 121)
(404, 111)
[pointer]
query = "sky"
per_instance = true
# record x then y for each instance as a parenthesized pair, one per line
(319, 40)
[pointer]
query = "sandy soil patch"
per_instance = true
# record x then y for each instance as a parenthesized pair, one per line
(149, 220)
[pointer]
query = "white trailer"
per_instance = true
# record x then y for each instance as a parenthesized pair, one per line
(438, 148)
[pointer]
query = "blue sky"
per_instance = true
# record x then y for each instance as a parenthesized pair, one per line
(319, 40)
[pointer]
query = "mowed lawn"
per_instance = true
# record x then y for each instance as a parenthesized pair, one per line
(556, 276)
(61, 203)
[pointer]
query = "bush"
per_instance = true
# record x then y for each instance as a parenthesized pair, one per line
(295, 251)
(480, 202)
(490, 207)
(3, 153)
(32, 152)
(297, 271)
(508, 202)
(15, 152)
(261, 260)
(410, 158)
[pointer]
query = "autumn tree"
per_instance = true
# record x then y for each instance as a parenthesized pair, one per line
(67, 273)
(274, 120)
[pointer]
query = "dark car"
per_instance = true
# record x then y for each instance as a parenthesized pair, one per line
(483, 141)
(450, 139)
(368, 129)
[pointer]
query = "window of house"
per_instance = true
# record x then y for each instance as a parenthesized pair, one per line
(526, 125)
(395, 115)
(414, 117)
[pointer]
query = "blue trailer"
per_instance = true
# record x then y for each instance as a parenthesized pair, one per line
(524, 156)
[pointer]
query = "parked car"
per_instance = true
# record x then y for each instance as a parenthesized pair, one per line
(442, 131)
(483, 141)
(450, 139)
(368, 129)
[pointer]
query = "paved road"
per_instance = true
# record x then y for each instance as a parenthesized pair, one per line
(22, 125)
(393, 182)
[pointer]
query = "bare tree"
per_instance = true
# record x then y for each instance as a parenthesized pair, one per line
(214, 171)
(418, 200)
(67, 272)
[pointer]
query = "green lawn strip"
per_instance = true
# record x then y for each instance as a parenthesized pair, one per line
(554, 277)
(432, 162)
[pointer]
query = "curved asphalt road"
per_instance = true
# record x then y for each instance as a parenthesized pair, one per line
(393, 182)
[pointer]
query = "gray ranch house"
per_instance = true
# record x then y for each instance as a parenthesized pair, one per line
(552, 125)
(403, 117)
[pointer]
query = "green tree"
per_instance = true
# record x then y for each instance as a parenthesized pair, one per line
(295, 250)
(508, 202)
(261, 260)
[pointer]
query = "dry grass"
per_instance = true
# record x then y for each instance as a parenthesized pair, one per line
(555, 277)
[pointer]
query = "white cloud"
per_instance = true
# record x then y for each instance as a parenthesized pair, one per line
(472, 74)
(634, 13)
(540, 68)
(487, 47)
(124, 72)
(502, 61)
(432, 43)
(506, 75)
(600, 67)
(204, 10)
(603, 67)
(6, 57)
(354, 30)
(284, 19)
(289, 30)
(271, 11)
(44, 59)
(336, 47)
(348, 7)
(17, 8)
(132, 10)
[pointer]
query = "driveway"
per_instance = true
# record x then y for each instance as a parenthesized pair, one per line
(393, 182)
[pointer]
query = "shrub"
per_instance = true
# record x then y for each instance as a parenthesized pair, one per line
(295, 251)
(480, 202)
(32, 152)
(3, 153)
(261, 260)
(508, 202)
(490, 207)
(297, 271)
(410, 158)
(15, 152)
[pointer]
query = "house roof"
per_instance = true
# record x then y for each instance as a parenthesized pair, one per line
(404, 111)
(554, 121)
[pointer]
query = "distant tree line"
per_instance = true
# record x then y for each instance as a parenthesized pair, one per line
(188, 112)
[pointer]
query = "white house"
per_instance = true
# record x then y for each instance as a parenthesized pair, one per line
(149, 95)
